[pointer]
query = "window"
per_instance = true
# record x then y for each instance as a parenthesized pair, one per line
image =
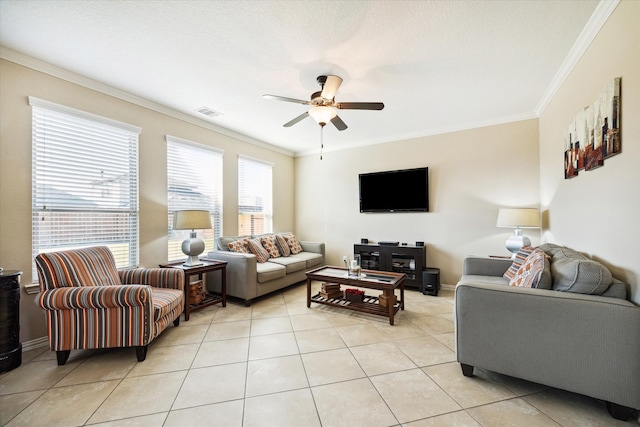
(255, 206)
(84, 183)
(194, 181)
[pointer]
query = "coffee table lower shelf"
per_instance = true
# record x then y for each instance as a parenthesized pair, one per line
(369, 305)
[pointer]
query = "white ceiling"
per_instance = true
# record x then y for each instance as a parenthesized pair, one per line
(437, 65)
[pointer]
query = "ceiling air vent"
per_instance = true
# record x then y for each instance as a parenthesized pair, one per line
(208, 112)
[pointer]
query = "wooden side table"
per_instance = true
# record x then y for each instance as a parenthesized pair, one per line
(207, 266)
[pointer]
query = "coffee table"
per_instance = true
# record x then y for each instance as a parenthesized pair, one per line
(384, 281)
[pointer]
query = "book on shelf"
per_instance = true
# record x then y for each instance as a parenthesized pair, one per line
(330, 287)
(330, 290)
(331, 295)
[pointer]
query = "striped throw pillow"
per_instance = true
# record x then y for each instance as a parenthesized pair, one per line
(283, 246)
(256, 248)
(522, 254)
(529, 273)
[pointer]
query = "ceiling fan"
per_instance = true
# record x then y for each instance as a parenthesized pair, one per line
(323, 104)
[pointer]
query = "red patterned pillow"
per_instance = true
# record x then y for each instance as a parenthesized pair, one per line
(241, 246)
(293, 243)
(269, 243)
(283, 246)
(258, 250)
(529, 273)
(522, 254)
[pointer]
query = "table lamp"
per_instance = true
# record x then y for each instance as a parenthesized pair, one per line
(518, 218)
(192, 220)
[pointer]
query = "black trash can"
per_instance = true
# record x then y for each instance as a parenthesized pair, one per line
(10, 346)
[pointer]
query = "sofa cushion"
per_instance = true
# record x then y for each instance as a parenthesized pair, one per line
(530, 272)
(311, 258)
(616, 289)
(269, 243)
(550, 248)
(293, 243)
(165, 300)
(482, 279)
(270, 271)
(522, 254)
(256, 248)
(573, 272)
(283, 246)
(291, 263)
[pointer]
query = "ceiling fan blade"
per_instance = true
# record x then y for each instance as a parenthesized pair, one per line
(284, 98)
(360, 105)
(331, 87)
(338, 123)
(296, 120)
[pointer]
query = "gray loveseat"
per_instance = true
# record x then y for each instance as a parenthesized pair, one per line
(580, 342)
(248, 279)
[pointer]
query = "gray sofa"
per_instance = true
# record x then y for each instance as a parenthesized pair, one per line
(248, 279)
(560, 337)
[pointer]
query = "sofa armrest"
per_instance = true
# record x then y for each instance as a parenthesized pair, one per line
(171, 278)
(583, 343)
(242, 274)
(479, 266)
(314, 247)
(94, 297)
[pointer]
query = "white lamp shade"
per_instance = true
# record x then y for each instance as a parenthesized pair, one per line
(322, 115)
(191, 220)
(519, 218)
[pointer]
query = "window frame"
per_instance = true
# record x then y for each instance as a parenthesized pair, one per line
(196, 189)
(80, 185)
(263, 169)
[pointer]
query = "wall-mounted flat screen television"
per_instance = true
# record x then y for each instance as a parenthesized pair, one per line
(395, 191)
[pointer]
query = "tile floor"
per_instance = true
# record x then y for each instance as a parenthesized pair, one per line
(278, 363)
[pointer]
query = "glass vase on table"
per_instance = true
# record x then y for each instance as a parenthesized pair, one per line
(354, 267)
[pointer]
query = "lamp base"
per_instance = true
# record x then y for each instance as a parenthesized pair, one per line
(516, 242)
(192, 248)
(193, 261)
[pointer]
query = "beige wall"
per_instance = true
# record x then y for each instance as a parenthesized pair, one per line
(18, 82)
(471, 174)
(597, 212)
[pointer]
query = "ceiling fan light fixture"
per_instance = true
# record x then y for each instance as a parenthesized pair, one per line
(322, 114)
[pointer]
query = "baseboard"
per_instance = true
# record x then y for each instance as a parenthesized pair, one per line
(37, 343)
(447, 287)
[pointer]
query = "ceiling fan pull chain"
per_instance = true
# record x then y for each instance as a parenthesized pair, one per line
(321, 140)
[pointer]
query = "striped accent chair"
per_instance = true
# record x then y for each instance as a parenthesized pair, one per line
(90, 304)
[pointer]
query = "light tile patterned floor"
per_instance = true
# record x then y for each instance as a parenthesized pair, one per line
(278, 363)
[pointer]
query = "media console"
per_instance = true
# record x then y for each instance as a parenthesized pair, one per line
(410, 260)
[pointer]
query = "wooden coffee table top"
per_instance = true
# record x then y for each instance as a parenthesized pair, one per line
(372, 279)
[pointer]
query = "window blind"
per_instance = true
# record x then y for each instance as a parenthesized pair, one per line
(194, 181)
(84, 182)
(255, 204)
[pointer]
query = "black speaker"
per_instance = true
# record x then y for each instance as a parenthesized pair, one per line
(419, 243)
(430, 281)
(364, 241)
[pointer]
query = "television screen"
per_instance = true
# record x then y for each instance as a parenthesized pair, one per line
(395, 191)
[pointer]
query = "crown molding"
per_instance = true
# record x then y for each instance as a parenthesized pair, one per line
(61, 73)
(599, 17)
(431, 132)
